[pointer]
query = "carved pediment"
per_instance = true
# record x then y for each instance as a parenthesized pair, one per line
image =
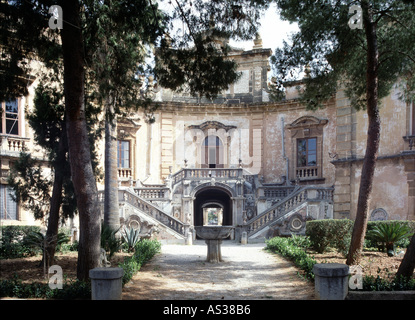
(307, 121)
(212, 125)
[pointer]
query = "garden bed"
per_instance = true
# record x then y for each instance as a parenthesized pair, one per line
(29, 271)
(373, 263)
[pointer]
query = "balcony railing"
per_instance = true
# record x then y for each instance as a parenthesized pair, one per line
(153, 193)
(306, 172)
(206, 174)
(12, 145)
(125, 173)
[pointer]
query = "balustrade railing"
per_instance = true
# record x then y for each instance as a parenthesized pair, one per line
(207, 173)
(277, 192)
(306, 172)
(125, 173)
(152, 192)
(148, 208)
(285, 206)
(13, 143)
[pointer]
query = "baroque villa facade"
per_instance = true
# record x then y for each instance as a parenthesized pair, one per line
(264, 167)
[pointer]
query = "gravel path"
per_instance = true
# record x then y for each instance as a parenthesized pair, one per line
(248, 272)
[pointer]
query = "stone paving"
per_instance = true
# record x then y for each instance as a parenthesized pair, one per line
(180, 272)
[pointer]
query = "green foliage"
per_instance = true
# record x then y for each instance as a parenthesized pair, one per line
(335, 53)
(71, 290)
(329, 233)
(110, 242)
(131, 237)
(11, 241)
(289, 248)
(32, 189)
(144, 251)
(388, 234)
(372, 283)
(38, 242)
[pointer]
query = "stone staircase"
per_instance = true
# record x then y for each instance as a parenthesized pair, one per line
(134, 207)
(150, 205)
(302, 199)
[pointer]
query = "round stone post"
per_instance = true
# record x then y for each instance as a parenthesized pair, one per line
(244, 237)
(331, 281)
(106, 283)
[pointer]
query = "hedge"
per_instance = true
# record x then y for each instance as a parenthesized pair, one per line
(293, 248)
(144, 251)
(336, 233)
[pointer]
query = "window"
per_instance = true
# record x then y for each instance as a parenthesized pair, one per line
(123, 154)
(307, 152)
(8, 207)
(9, 117)
(212, 152)
(307, 149)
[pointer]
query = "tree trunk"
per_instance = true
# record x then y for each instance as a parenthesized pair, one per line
(78, 144)
(56, 200)
(373, 136)
(407, 266)
(111, 205)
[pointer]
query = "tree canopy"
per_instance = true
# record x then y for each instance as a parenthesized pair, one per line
(331, 52)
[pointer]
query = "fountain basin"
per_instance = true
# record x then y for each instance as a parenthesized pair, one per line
(213, 232)
(213, 235)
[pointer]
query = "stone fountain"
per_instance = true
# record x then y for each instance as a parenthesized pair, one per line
(213, 235)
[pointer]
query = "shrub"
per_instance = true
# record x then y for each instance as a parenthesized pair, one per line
(372, 283)
(335, 233)
(36, 241)
(11, 241)
(144, 250)
(70, 290)
(287, 247)
(370, 242)
(388, 234)
(109, 240)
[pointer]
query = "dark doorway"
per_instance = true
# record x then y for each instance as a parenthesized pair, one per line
(210, 198)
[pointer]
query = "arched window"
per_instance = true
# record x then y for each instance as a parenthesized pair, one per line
(212, 153)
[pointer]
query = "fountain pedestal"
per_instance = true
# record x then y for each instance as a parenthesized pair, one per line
(213, 236)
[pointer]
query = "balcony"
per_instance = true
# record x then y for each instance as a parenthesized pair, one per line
(11, 145)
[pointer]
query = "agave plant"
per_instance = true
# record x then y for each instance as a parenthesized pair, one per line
(131, 237)
(388, 234)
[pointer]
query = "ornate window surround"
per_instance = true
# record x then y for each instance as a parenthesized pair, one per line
(303, 128)
(209, 129)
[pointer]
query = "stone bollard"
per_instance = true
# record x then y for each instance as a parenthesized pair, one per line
(189, 238)
(106, 283)
(244, 237)
(331, 281)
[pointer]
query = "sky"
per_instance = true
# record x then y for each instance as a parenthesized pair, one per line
(272, 31)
